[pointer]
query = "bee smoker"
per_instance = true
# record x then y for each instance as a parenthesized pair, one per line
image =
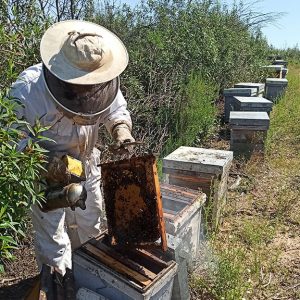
(72, 195)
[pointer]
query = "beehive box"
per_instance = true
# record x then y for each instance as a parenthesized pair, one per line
(274, 70)
(280, 62)
(182, 213)
(229, 98)
(260, 87)
(133, 202)
(205, 169)
(284, 72)
(122, 274)
(177, 253)
(275, 88)
(253, 104)
(248, 131)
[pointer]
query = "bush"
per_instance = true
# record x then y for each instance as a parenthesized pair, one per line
(19, 175)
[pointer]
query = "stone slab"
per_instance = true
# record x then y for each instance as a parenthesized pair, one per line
(259, 86)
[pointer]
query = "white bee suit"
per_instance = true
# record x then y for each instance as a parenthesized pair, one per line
(54, 229)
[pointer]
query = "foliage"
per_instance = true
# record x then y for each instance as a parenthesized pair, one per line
(19, 174)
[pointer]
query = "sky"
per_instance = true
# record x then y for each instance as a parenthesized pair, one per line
(285, 32)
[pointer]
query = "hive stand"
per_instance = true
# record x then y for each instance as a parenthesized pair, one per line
(248, 131)
(205, 169)
(275, 88)
(229, 98)
(253, 104)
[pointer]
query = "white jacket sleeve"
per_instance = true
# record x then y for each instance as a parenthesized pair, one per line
(116, 114)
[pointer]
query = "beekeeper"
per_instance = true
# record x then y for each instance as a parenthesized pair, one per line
(74, 90)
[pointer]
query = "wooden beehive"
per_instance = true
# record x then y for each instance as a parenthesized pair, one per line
(205, 169)
(122, 273)
(133, 202)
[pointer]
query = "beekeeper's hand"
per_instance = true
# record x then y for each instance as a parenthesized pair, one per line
(56, 173)
(121, 135)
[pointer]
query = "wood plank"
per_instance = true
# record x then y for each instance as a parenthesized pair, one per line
(150, 256)
(116, 265)
(163, 236)
(125, 260)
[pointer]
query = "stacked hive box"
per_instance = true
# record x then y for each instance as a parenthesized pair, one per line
(274, 70)
(259, 86)
(248, 131)
(205, 169)
(229, 98)
(280, 62)
(253, 104)
(275, 88)
(122, 274)
(182, 213)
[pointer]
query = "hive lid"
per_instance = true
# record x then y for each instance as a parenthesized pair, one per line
(254, 101)
(249, 119)
(274, 67)
(198, 160)
(133, 202)
(240, 92)
(259, 86)
(277, 81)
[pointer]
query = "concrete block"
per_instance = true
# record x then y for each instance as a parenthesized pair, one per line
(205, 169)
(248, 131)
(275, 88)
(182, 209)
(229, 98)
(259, 86)
(255, 104)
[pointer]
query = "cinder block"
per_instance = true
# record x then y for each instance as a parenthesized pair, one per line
(182, 209)
(229, 98)
(205, 169)
(248, 131)
(275, 88)
(255, 104)
(259, 86)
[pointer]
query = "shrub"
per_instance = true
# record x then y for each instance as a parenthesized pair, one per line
(19, 175)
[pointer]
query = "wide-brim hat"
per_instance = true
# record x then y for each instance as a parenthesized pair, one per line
(80, 52)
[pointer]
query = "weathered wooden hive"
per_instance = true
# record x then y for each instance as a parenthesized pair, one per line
(253, 104)
(229, 98)
(260, 87)
(248, 131)
(204, 169)
(275, 88)
(121, 273)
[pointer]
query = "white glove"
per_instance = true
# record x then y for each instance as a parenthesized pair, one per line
(121, 134)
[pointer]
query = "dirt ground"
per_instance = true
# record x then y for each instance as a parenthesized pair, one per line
(20, 273)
